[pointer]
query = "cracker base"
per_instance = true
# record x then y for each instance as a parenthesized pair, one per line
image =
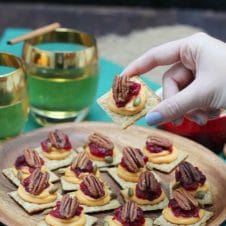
(122, 183)
(67, 186)
(159, 206)
(10, 175)
(32, 207)
(162, 222)
(167, 168)
(113, 204)
(56, 164)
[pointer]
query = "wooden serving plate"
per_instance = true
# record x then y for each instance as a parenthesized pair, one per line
(214, 168)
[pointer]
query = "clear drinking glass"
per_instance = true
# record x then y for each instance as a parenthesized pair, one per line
(62, 69)
(13, 96)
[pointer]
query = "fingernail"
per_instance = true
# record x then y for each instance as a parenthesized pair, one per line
(198, 120)
(153, 118)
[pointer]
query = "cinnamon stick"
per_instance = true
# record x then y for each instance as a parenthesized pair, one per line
(34, 33)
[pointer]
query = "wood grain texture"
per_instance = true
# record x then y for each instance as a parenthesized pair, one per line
(214, 168)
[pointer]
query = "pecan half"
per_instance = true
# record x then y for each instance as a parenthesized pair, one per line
(133, 158)
(81, 161)
(120, 88)
(38, 181)
(101, 140)
(187, 174)
(184, 199)
(57, 139)
(68, 206)
(32, 158)
(147, 182)
(159, 141)
(94, 186)
(129, 212)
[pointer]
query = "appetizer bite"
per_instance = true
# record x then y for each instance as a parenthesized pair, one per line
(162, 154)
(95, 196)
(128, 100)
(101, 150)
(193, 181)
(25, 164)
(130, 214)
(56, 150)
(74, 174)
(36, 193)
(129, 169)
(68, 212)
(183, 209)
(147, 193)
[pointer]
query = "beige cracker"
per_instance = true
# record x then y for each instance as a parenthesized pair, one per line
(67, 186)
(122, 183)
(113, 204)
(158, 206)
(161, 221)
(90, 220)
(32, 207)
(148, 221)
(10, 175)
(123, 120)
(95, 209)
(168, 167)
(116, 158)
(56, 164)
(207, 199)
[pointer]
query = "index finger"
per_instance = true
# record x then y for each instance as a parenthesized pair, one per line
(165, 54)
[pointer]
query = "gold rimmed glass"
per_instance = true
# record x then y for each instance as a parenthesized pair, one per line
(13, 96)
(62, 69)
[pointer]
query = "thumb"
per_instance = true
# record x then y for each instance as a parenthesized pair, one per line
(176, 106)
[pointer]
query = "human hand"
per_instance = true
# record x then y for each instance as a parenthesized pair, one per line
(195, 84)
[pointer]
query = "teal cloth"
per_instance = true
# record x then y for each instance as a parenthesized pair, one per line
(107, 72)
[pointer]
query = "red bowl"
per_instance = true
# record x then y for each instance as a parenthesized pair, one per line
(212, 135)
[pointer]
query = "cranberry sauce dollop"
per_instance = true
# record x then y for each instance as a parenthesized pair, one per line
(99, 151)
(179, 212)
(21, 162)
(88, 169)
(149, 195)
(46, 144)
(134, 90)
(55, 212)
(191, 178)
(138, 222)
